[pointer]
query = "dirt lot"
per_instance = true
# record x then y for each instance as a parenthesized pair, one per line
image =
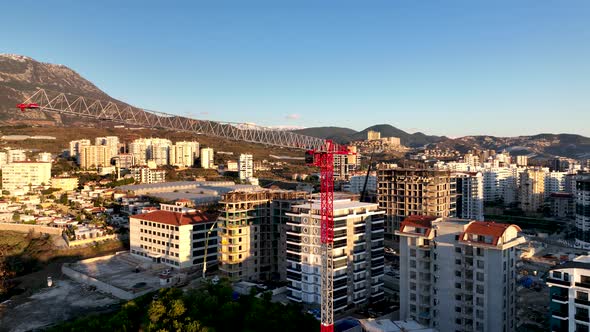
(65, 300)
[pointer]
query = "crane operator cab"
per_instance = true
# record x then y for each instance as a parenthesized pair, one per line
(309, 158)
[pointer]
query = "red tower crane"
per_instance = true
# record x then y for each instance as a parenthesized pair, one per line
(319, 152)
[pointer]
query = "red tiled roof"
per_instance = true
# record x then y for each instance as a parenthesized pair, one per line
(418, 221)
(487, 228)
(177, 218)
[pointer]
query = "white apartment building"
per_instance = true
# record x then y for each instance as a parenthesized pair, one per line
(94, 156)
(144, 174)
(76, 148)
(501, 183)
(358, 253)
(25, 175)
(16, 155)
(357, 182)
(554, 182)
(470, 195)
(154, 149)
(45, 157)
(183, 154)
(569, 286)
(177, 239)
(345, 165)
(522, 161)
(245, 166)
(458, 275)
(207, 160)
(111, 142)
(3, 158)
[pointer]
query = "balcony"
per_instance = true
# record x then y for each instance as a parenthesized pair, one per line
(559, 298)
(582, 317)
(580, 284)
(559, 282)
(582, 301)
(562, 315)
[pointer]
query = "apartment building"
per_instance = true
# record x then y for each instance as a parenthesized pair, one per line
(252, 234)
(357, 254)
(177, 239)
(469, 195)
(532, 189)
(403, 192)
(144, 174)
(346, 164)
(569, 286)
(65, 183)
(207, 160)
(124, 160)
(76, 148)
(501, 184)
(25, 175)
(357, 183)
(554, 182)
(562, 205)
(94, 156)
(16, 155)
(245, 167)
(522, 161)
(151, 149)
(373, 135)
(457, 274)
(183, 154)
(44, 157)
(111, 142)
(582, 205)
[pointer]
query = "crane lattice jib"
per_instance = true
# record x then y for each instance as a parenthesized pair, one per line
(69, 104)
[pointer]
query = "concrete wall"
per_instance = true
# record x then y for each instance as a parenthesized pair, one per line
(85, 242)
(27, 228)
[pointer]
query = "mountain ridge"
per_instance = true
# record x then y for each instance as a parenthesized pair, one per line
(20, 76)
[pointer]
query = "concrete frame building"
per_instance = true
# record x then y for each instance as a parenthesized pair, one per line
(403, 192)
(357, 255)
(252, 234)
(345, 165)
(177, 239)
(458, 275)
(569, 289)
(245, 167)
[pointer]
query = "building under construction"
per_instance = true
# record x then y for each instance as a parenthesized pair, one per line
(252, 234)
(404, 192)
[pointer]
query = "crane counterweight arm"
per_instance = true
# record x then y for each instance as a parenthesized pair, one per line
(68, 104)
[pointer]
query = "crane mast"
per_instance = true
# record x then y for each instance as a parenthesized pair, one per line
(319, 153)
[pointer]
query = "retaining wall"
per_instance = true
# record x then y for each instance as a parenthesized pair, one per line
(27, 228)
(104, 287)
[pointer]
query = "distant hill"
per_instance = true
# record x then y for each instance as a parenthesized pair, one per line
(20, 76)
(346, 135)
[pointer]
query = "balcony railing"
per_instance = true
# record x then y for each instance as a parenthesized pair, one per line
(559, 282)
(560, 314)
(582, 301)
(582, 284)
(582, 317)
(558, 297)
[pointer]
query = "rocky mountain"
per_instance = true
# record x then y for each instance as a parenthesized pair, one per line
(20, 76)
(346, 135)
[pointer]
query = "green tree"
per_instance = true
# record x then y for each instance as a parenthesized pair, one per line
(156, 311)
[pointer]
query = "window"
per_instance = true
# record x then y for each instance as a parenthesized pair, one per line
(457, 297)
(457, 309)
(458, 250)
(457, 261)
(480, 264)
(557, 274)
(458, 285)
(458, 274)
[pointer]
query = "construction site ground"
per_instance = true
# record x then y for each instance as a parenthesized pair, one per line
(65, 300)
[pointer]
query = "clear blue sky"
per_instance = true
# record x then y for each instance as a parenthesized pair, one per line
(441, 67)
